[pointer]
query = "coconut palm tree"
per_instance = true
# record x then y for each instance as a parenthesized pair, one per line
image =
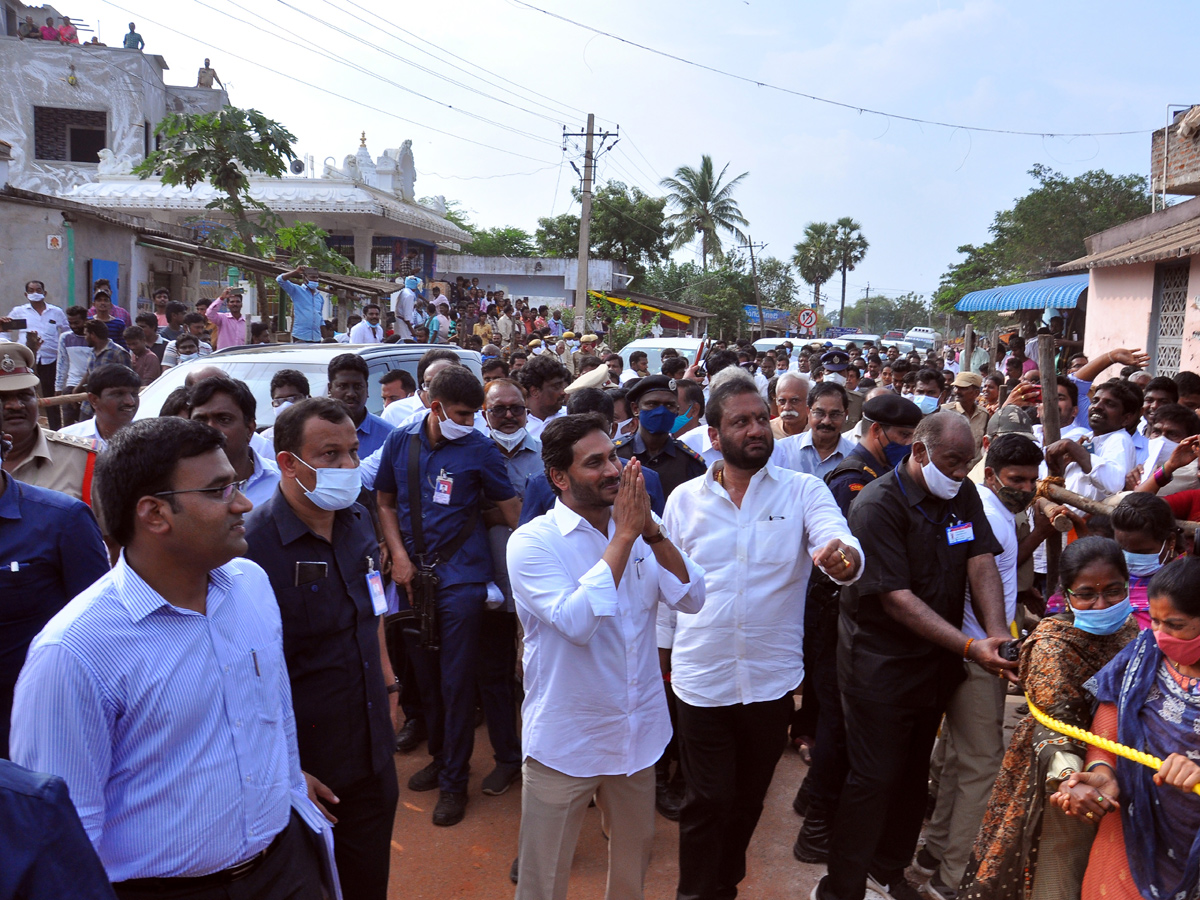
(851, 248)
(704, 206)
(816, 256)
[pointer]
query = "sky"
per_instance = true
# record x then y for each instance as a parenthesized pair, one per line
(483, 88)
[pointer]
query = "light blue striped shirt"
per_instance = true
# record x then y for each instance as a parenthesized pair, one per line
(307, 306)
(173, 730)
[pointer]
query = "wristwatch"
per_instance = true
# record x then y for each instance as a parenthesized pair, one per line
(658, 537)
(394, 687)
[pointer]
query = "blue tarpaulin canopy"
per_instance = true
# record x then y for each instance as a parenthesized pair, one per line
(1060, 293)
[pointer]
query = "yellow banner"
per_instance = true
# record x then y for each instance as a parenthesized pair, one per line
(619, 301)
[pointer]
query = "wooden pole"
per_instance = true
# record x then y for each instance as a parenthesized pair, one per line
(964, 364)
(1060, 494)
(1050, 435)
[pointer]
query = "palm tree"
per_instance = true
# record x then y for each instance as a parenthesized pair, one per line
(705, 207)
(816, 256)
(851, 248)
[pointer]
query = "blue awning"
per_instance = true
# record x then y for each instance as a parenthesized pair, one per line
(1061, 293)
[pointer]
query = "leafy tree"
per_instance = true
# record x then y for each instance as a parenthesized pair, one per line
(221, 148)
(305, 241)
(850, 249)
(628, 226)
(500, 241)
(558, 236)
(776, 283)
(815, 257)
(1046, 226)
(704, 207)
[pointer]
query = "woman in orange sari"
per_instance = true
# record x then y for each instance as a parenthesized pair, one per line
(1148, 841)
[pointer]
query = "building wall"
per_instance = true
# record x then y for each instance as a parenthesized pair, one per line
(126, 85)
(23, 247)
(1118, 311)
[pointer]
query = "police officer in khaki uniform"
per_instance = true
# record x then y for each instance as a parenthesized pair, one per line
(654, 400)
(39, 456)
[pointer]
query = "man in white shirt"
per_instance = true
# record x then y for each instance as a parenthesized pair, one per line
(48, 322)
(113, 392)
(588, 578)
(545, 381)
(227, 405)
(973, 730)
(639, 367)
(1099, 470)
(368, 331)
(758, 529)
(404, 304)
(818, 450)
(430, 363)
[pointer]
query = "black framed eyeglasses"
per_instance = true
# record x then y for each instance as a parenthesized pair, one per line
(503, 411)
(225, 492)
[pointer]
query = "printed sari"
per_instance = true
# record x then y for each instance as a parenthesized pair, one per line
(1055, 662)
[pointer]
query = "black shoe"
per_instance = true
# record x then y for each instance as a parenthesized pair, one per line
(666, 801)
(512, 873)
(450, 809)
(935, 890)
(427, 778)
(501, 778)
(812, 844)
(803, 799)
(925, 862)
(410, 736)
(897, 889)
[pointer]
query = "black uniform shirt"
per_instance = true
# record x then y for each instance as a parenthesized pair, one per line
(674, 464)
(903, 532)
(330, 639)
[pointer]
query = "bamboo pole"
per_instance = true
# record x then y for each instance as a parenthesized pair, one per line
(1050, 435)
(1060, 494)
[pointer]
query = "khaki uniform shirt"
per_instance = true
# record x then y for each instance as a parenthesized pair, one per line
(978, 421)
(60, 462)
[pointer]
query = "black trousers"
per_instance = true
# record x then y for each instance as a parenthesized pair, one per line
(362, 837)
(728, 755)
(496, 677)
(291, 872)
(882, 805)
(829, 762)
(46, 373)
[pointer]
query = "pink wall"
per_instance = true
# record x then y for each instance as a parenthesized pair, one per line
(1119, 302)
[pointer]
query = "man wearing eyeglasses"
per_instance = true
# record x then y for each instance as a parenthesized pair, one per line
(506, 415)
(818, 450)
(161, 695)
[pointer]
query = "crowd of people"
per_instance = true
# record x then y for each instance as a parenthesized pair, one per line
(67, 33)
(217, 637)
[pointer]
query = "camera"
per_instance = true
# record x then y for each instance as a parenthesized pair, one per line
(1010, 650)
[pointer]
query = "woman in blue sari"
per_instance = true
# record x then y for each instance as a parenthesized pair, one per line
(1148, 840)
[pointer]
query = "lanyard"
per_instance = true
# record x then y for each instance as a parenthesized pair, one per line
(932, 521)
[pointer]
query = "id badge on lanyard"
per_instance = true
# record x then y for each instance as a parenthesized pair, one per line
(960, 533)
(375, 588)
(442, 489)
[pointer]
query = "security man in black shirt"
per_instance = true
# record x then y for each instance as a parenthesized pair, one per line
(318, 547)
(924, 537)
(888, 423)
(654, 401)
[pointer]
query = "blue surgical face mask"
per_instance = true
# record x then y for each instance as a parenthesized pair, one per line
(1102, 621)
(312, 285)
(1144, 564)
(681, 422)
(925, 403)
(659, 420)
(335, 488)
(894, 453)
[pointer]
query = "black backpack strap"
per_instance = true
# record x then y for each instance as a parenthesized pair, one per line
(444, 554)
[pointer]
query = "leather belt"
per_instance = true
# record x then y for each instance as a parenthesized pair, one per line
(213, 879)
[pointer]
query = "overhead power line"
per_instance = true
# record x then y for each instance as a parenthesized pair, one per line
(795, 93)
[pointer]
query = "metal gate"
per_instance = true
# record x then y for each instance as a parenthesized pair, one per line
(1166, 318)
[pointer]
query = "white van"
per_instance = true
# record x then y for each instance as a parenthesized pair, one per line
(653, 348)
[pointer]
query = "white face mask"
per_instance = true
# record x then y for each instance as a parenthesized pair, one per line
(509, 442)
(623, 425)
(1159, 451)
(188, 357)
(35, 297)
(335, 489)
(940, 485)
(834, 378)
(451, 430)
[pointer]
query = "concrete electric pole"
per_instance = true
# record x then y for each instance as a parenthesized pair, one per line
(585, 214)
(762, 322)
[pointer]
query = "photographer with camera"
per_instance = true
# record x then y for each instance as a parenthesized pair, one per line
(433, 476)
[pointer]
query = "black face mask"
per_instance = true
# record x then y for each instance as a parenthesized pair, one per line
(1014, 499)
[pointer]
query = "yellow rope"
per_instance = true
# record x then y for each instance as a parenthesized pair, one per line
(1096, 741)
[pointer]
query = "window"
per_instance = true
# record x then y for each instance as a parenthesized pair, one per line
(1167, 317)
(69, 135)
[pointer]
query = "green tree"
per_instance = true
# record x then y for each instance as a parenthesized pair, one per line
(1045, 227)
(558, 236)
(704, 207)
(815, 257)
(500, 241)
(221, 148)
(776, 283)
(629, 226)
(850, 248)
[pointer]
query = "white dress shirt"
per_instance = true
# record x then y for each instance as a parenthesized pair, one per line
(261, 484)
(698, 440)
(1113, 457)
(534, 425)
(366, 333)
(1004, 527)
(86, 429)
(744, 646)
(798, 453)
(396, 412)
(594, 701)
(49, 325)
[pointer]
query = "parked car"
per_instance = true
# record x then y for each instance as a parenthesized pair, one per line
(653, 348)
(255, 365)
